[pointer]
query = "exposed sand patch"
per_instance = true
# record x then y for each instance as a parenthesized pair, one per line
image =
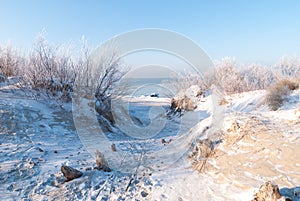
(261, 149)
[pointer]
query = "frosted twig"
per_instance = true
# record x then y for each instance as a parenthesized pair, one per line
(134, 175)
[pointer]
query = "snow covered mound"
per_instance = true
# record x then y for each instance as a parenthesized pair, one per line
(257, 145)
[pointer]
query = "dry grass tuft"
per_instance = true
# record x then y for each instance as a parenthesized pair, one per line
(276, 93)
(202, 151)
(291, 84)
(223, 102)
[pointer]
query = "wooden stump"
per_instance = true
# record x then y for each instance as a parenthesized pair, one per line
(101, 163)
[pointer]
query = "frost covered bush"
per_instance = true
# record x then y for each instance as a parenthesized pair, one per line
(288, 67)
(9, 61)
(287, 71)
(257, 77)
(227, 76)
(99, 75)
(50, 71)
(235, 78)
(101, 72)
(277, 93)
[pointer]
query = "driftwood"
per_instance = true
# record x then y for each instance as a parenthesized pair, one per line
(70, 173)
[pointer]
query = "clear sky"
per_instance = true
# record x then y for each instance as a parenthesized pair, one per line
(251, 31)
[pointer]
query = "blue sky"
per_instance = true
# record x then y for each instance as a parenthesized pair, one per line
(251, 31)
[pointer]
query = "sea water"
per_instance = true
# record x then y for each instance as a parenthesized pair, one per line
(147, 86)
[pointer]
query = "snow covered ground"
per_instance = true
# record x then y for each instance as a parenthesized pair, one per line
(257, 145)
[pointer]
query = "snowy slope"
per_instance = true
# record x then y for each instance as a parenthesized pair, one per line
(36, 138)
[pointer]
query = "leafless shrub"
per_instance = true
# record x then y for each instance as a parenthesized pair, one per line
(9, 61)
(235, 79)
(276, 93)
(99, 75)
(257, 77)
(227, 75)
(50, 72)
(102, 71)
(288, 67)
(275, 97)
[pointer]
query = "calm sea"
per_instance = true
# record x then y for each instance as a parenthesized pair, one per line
(146, 86)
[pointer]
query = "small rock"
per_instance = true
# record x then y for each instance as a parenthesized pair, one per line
(41, 159)
(113, 147)
(136, 181)
(70, 173)
(10, 187)
(297, 192)
(164, 142)
(103, 167)
(88, 169)
(144, 194)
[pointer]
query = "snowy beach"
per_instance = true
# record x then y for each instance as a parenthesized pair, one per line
(257, 145)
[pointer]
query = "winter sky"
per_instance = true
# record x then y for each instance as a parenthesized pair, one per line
(250, 31)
